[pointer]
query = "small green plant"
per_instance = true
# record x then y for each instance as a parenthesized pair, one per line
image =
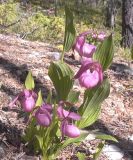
(125, 53)
(37, 26)
(41, 27)
(8, 13)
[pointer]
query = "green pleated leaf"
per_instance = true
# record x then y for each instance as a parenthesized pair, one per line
(62, 77)
(105, 52)
(73, 96)
(98, 150)
(39, 101)
(40, 140)
(92, 116)
(29, 82)
(70, 32)
(105, 137)
(90, 108)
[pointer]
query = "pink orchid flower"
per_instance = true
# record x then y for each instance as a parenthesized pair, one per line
(101, 36)
(43, 115)
(84, 49)
(88, 50)
(66, 117)
(69, 130)
(90, 74)
(94, 35)
(80, 40)
(64, 114)
(27, 99)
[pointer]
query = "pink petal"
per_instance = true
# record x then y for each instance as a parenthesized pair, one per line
(85, 59)
(13, 102)
(101, 36)
(26, 93)
(79, 44)
(34, 95)
(28, 104)
(43, 119)
(84, 67)
(87, 65)
(62, 113)
(48, 107)
(90, 74)
(89, 80)
(71, 131)
(63, 125)
(94, 35)
(74, 116)
(88, 50)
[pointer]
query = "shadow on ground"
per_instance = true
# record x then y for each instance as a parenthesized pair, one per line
(19, 73)
(125, 145)
(14, 71)
(122, 70)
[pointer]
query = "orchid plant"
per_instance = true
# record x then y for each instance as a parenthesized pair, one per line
(56, 122)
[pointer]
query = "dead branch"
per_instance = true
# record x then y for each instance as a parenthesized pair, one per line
(24, 35)
(9, 25)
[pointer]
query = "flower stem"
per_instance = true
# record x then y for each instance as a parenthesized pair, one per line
(62, 56)
(45, 157)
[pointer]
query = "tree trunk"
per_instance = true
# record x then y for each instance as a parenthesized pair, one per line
(110, 17)
(127, 23)
(55, 8)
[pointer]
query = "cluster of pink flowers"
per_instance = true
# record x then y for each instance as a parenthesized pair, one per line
(43, 114)
(99, 36)
(83, 48)
(90, 74)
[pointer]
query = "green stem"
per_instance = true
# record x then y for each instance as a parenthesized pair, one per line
(62, 56)
(45, 157)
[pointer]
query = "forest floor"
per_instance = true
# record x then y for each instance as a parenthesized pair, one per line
(18, 56)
